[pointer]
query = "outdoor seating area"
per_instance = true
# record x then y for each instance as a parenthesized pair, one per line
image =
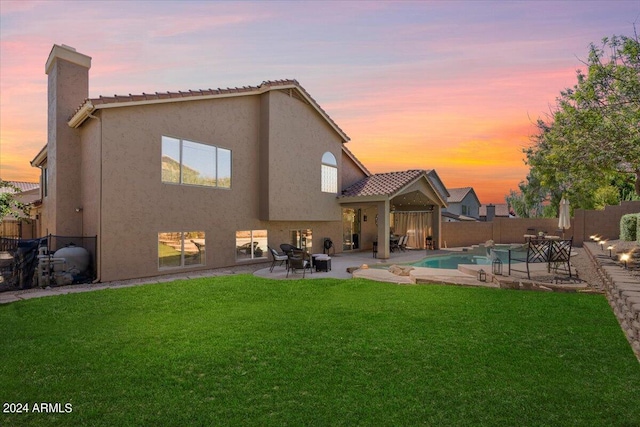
(295, 259)
(555, 253)
(550, 264)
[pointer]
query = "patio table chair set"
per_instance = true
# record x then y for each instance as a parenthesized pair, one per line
(555, 253)
(298, 259)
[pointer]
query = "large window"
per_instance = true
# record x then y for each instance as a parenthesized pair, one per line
(181, 249)
(251, 244)
(192, 163)
(329, 180)
(302, 239)
(45, 181)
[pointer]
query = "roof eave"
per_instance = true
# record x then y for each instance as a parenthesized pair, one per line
(359, 199)
(40, 158)
(81, 115)
(88, 108)
(424, 175)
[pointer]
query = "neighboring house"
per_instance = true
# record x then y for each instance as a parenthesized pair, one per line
(449, 217)
(501, 210)
(462, 205)
(27, 193)
(183, 181)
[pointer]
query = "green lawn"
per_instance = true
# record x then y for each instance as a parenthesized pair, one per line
(246, 351)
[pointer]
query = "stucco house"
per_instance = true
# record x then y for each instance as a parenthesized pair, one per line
(184, 181)
(462, 205)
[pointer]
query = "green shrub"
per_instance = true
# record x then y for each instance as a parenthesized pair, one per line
(628, 227)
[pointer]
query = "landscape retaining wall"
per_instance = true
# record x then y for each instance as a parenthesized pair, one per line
(623, 293)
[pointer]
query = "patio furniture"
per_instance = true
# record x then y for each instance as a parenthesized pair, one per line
(375, 249)
(282, 257)
(322, 262)
(550, 251)
(299, 259)
(287, 248)
(560, 255)
(402, 243)
(393, 243)
(429, 243)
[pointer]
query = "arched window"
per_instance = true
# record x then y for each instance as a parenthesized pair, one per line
(329, 173)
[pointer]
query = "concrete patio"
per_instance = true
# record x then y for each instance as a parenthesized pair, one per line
(377, 269)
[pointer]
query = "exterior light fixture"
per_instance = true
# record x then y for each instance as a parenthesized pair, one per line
(624, 258)
(482, 276)
(496, 267)
(602, 243)
(610, 247)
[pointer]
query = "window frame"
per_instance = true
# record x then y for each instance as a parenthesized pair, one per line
(252, 240)
(202, 252)
(215, 163)
(301, 238)
(329, 173)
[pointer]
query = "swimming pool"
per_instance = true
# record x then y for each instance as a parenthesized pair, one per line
(451, 262)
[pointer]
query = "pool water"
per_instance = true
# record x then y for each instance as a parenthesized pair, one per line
(451, 262)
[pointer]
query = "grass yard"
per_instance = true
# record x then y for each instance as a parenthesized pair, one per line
(245, 351)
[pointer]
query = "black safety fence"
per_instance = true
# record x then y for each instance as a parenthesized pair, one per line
(47, 261)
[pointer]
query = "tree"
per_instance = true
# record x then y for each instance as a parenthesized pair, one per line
(8, 203)
(591, 139)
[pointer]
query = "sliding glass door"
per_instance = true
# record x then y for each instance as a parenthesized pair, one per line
(350, 229)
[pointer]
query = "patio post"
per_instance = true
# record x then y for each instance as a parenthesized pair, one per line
(384, 225)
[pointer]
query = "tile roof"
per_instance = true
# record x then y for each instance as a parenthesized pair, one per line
(456, 195)
(190, 93)
(21, 186)
(158, 97)
(383, 183)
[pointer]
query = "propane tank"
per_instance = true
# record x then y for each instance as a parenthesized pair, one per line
(76, 259)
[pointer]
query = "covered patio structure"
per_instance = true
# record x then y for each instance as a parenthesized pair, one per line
(407, 203)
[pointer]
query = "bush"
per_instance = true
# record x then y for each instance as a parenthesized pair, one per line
(628, 227)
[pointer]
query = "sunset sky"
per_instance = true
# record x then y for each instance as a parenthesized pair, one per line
(444, 85)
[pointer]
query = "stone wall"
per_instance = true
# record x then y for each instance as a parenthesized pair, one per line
(623, 292)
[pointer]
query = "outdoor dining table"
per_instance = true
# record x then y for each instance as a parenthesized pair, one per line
(536, 236)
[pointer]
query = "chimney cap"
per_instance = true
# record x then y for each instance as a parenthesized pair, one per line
(69, 54)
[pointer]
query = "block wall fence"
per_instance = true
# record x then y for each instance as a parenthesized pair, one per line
(584, 223)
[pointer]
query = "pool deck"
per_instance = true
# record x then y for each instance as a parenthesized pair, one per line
(465, 275)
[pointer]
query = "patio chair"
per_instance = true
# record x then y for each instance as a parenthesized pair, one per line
(537, 251)
(393, 244)
(282, 257)
(551, 252)
(299, 260)
(402, 243)
(560, 255)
